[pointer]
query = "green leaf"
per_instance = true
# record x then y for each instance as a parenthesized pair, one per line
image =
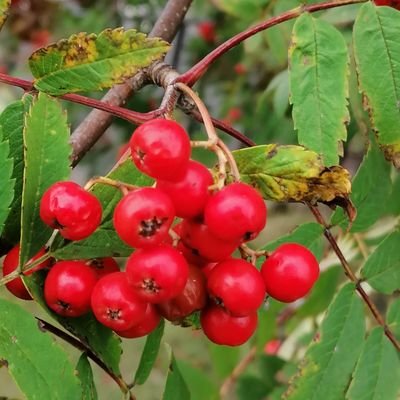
(149, 354)
(377, 374)
(392, 206)
(393, 317)
(367, 196)
(85, 375)
(4, 6)
(329, 361)
(7, 182)
(224, 359)
(382, 268)
(292, 173)
(175, 387)
(47, 151)
(319, 86)
(248, 10)
(12, 120)
(104, 242)
(36, 362)
(377, 54)
(87, 62)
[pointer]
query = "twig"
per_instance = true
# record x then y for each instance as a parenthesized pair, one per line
(44, 325)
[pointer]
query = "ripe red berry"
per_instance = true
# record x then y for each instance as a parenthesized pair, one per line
(143, 217)
(238, 286)
(103, 266)
(147, 325)
(10, 264)
(190, 193)
(161, 149)
(236, 212)
(68, 288)
(290, 272)
(115, 304)
(206, 31)
(224, 329)
(271, 348)
(192, 298)
(158, 273)
(391, 3)
(72, 210)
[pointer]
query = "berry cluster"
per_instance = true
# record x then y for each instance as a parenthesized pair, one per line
(184, 232)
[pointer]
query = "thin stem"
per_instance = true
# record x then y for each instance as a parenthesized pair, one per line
(46, 326)
(191, 76)
(125, 188)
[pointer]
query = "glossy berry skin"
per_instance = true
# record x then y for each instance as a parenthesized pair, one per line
(10, 264)
(158, 273)
(66, 206)
(143, 217)
(68, 288)
(222, 328)
(103, 266)
(190, 193)
(238, 286)
(192, 298)
(147, 325)
(161, 149)
(114, 303)
(391, 3)
(236, 212)
(290, 272)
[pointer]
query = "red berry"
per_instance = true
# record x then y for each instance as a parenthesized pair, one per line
(192, 298)
(161, 149)
(272, 347)
(189, 194)
(238, 286)
(115, 304)
(206, 31)
(206, 269)
(236, 212)
(143, 217)
(148, 324)
(222, 328)
(290, 272)
(240, 69)
(158, 273)
(10, 264)
(103, 266)
(391, 3)
(68, 288)
(72, 210)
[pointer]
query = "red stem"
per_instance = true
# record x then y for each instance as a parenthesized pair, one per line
(191, 76)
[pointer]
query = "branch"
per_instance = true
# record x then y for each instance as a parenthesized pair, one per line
(191, 76)
(95, 124)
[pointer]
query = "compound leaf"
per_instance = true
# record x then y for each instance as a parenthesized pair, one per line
(393, 317)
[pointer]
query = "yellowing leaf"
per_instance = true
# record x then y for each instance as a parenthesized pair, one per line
(4, 6)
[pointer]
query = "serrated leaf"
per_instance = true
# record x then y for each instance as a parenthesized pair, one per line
(7, 182)
(377, 54)
(36, 362)
(105, 242)
(319, 72)
(87, 62)
(12, 121)
(329, 361)
(371, 188)
(382, 268)
(377, 374)
(46, 161)
(85, 375)
(4, 6)
(393, 317)
(149, 354)
(175, 386)
(293, 173)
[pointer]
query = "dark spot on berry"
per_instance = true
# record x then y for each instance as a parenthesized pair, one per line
(140, 155)
(96, 263)
(63, 304)
(150, 227)
(248, 236)
(150, 286)
(56, 224)
(114, 314)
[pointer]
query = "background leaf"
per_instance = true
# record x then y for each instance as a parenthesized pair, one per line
(4, 6)
(47, 152)
(318, 70)
(393, 317)
(36, 362)
(87, 62)
(326, 368)
(377, 55)
(85, 375)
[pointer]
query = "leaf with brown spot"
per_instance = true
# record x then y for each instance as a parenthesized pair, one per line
(87, 62)
(4, 6)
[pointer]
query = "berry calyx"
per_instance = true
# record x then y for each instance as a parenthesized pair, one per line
(103, 266)
(72, 210)
(114, 303)
(143, 217)
(290, 272)
(222, 328)
(68, 288)
(158, 273)
(161, 149)
(238, 286)
(236, 212)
